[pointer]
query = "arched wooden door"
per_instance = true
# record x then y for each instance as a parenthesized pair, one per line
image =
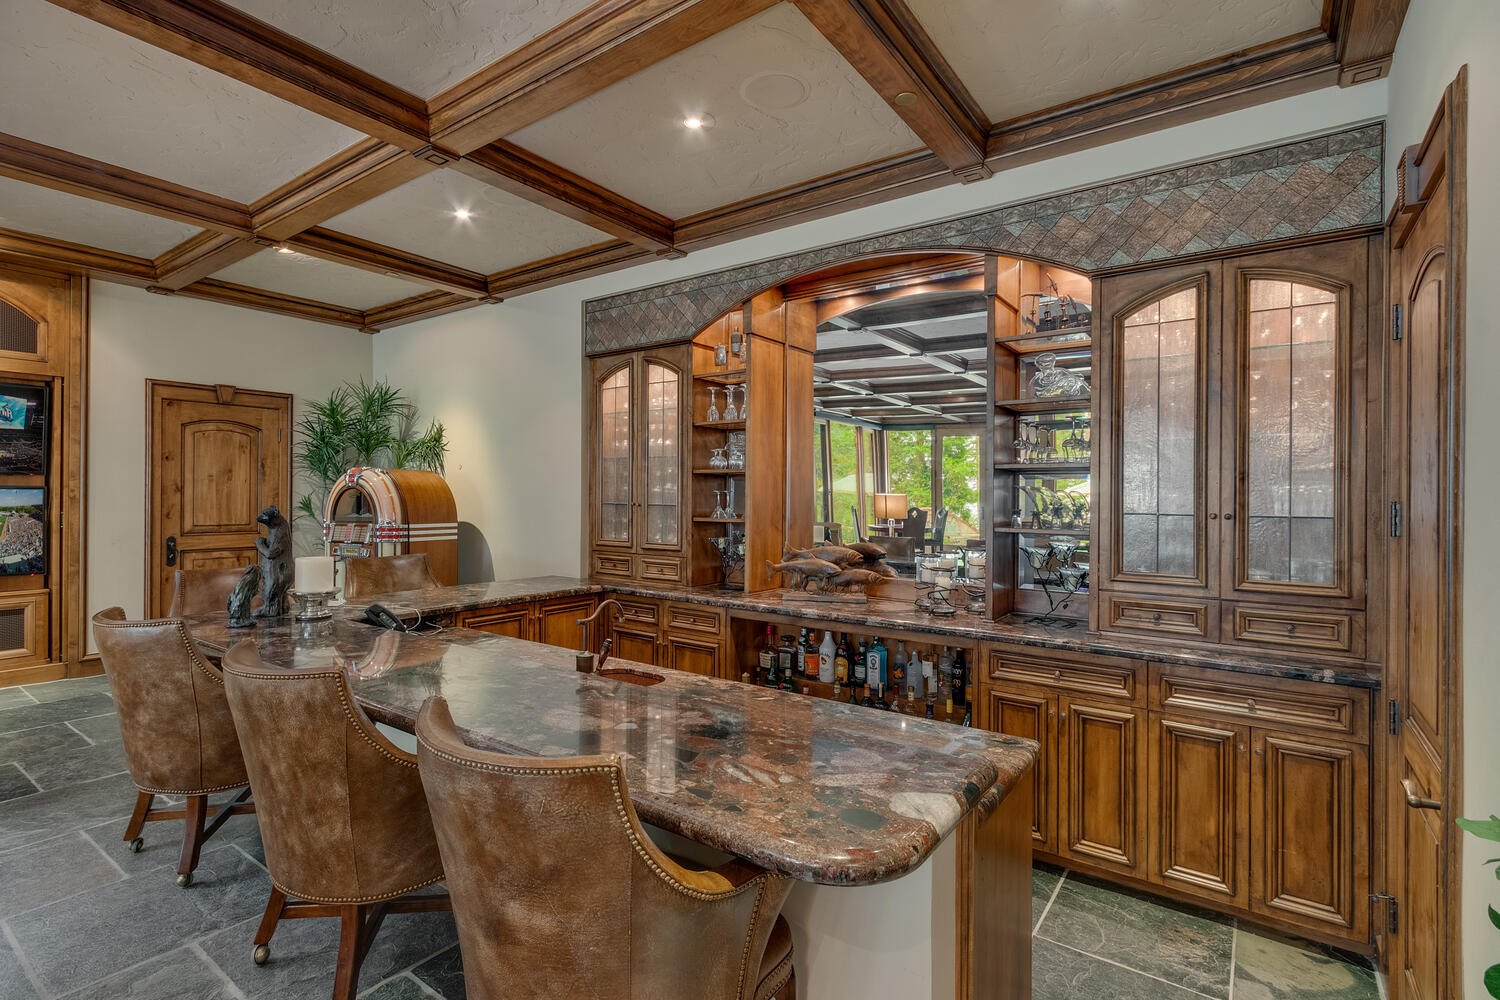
(217, 457)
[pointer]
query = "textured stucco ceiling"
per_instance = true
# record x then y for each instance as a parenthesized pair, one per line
(44, 212)
(816, 116)
(503, 230)
(72, 83)
(424, 47)
(319, 280)
(1018, 58)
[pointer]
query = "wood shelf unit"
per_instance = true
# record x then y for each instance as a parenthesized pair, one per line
(1045, 404)
(717, 425)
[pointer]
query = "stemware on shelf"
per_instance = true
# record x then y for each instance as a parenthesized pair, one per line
(718, 505)
(744, 402)
(730, 413)
(713, 404)
(718, 461)
(729, 508)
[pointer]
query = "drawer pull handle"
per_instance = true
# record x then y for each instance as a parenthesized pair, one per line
(1250, 704)
(1290, 629)
(1156, 616)
(1416, 801)
(1056, 675)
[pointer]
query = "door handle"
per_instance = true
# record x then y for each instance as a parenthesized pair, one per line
(172, 550)
(1416, 801)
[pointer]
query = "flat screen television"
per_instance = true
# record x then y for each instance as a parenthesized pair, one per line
(23, 429)
(23, 531)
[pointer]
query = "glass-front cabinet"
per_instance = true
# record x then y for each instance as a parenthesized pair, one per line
(1233, 475)
(639, 433)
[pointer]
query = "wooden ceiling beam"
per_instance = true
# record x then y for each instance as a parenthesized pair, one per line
(199, 256)
(369, 256)
(886, 44)
(1364, 33)
(231, 42)
(565, 267)
(256, 298)
(542, 182)
(417, 307)
(365, 170)
(75, 257)
(602, 45)
(46, 166)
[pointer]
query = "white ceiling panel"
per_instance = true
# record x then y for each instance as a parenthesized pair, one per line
(786, 108)
(73, 83)
(1019, 58)
(425, 47)
(320, 280)
(44, 212)
(502, 231)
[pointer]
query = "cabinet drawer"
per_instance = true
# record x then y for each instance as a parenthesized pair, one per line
(1158, 616)
(667, 569)
(1109, 677)
(1266, 701)
(695, 618)
(1315, 631)
(639, 610)
(610, 564)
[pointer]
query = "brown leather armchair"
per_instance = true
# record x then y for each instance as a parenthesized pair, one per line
(342, 813)
(178, 733)
(197, 591)
(558, 891)
(365, 578)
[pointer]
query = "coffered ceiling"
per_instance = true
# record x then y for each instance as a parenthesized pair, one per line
(413, 158)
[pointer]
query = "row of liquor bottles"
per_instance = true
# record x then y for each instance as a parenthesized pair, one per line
(885, 675)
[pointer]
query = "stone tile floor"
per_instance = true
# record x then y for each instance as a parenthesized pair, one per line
(81, 917)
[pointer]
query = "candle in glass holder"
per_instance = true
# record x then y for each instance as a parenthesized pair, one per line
(313, 575)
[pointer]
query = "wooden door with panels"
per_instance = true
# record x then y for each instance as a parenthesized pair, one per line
(216, 457)
(1424, 416)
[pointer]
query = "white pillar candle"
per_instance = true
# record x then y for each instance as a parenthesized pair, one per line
(314, 574)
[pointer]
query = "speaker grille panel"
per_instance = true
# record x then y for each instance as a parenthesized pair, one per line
(12, 629)
(18, 331)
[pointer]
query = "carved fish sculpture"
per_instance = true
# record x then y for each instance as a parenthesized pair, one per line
(871, 552)
(851, 579)
(797, 572)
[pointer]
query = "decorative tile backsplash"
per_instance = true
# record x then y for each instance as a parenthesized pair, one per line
(1317, 185)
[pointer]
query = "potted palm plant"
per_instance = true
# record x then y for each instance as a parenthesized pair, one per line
(1488, 829)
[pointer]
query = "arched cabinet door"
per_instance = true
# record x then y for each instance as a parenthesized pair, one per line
(1158, 473)
(1294, 406)
(614, 453)
(663, 447)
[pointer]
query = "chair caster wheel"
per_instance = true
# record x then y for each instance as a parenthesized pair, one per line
(137, 844)
(185, 880)
(262, 954)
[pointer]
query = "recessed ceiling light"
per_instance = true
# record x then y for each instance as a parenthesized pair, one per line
(696, 122)
(905, 99)
(461, 214)
(285, 250)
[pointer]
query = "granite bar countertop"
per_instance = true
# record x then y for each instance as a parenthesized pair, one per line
(896, 615)
(818, 790)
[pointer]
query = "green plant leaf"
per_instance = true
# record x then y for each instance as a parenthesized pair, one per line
(1492, 981)
(1495, 917)
(1486, 829)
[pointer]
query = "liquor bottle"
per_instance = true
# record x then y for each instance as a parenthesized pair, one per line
(880, 702)
(968, 716)
(745, 677)
(809, 656)
(960, 679)
(767, 660)
(861, 667)
(826, 653)
(945, 675)
(867, 701)
(929, 675)
(911, 697)
(786, 661)
(914, 673)
(853, 695)
(876, 658)
(837, 693)
(948, 708)
(841, 661)
(929, 712)
(898, 668)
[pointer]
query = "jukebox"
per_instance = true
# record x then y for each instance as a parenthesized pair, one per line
(388, 512)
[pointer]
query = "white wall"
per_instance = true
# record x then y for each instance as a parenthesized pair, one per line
(1440, 36)
(508, 380)
(135, 336)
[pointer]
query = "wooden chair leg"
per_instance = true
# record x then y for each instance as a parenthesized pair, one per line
(143, 802)
(195, 811)
(351, 950)
(275, 906)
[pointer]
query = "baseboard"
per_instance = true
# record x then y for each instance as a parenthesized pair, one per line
(38, 673)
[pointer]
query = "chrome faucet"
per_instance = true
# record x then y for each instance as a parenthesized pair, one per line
(588, 663)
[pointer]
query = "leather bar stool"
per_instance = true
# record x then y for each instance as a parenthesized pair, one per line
(387, 574)
(342, 813)
(178, 733)
(558, 891)
(196, 591)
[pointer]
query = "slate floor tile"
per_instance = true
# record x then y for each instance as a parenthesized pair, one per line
(136, 919)
(304, 953)
(99, 728)
(444, 974)
(69, 767)
(1043, 884)
(13, 982)
(1060, 973)
(52, 870)
(30, 745)
(72, 687)
(400, 988)
(1270, 967)
(1144, 934)
(163, 840)
(177, 975)
(14, 783)
(50, 713)
(12, 696)
(47, 814)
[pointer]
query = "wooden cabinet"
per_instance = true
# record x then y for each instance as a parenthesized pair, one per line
(639, 414)
(1101, 770)
(514, 621)
(1199, 807)
(1235, 452)
(672, 634)
(552, 622)
(1032, 715)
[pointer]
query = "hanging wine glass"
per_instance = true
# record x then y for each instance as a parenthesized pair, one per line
(713, 404)
(730, 413)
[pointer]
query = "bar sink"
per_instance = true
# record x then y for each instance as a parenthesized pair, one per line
(642, 677)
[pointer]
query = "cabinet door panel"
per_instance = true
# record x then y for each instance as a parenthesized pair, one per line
(1312, 805)
(661, 449)
(692, 654)
(1102, 777)
(514, 622)
(1033, 716)
(1199, 807)
(633, 643)
(557, 622)
(614, 452)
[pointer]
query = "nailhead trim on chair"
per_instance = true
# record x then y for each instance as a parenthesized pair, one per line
(778, 975)
(349, 713)
(198, 791)
(351, 901)
(182, 633)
